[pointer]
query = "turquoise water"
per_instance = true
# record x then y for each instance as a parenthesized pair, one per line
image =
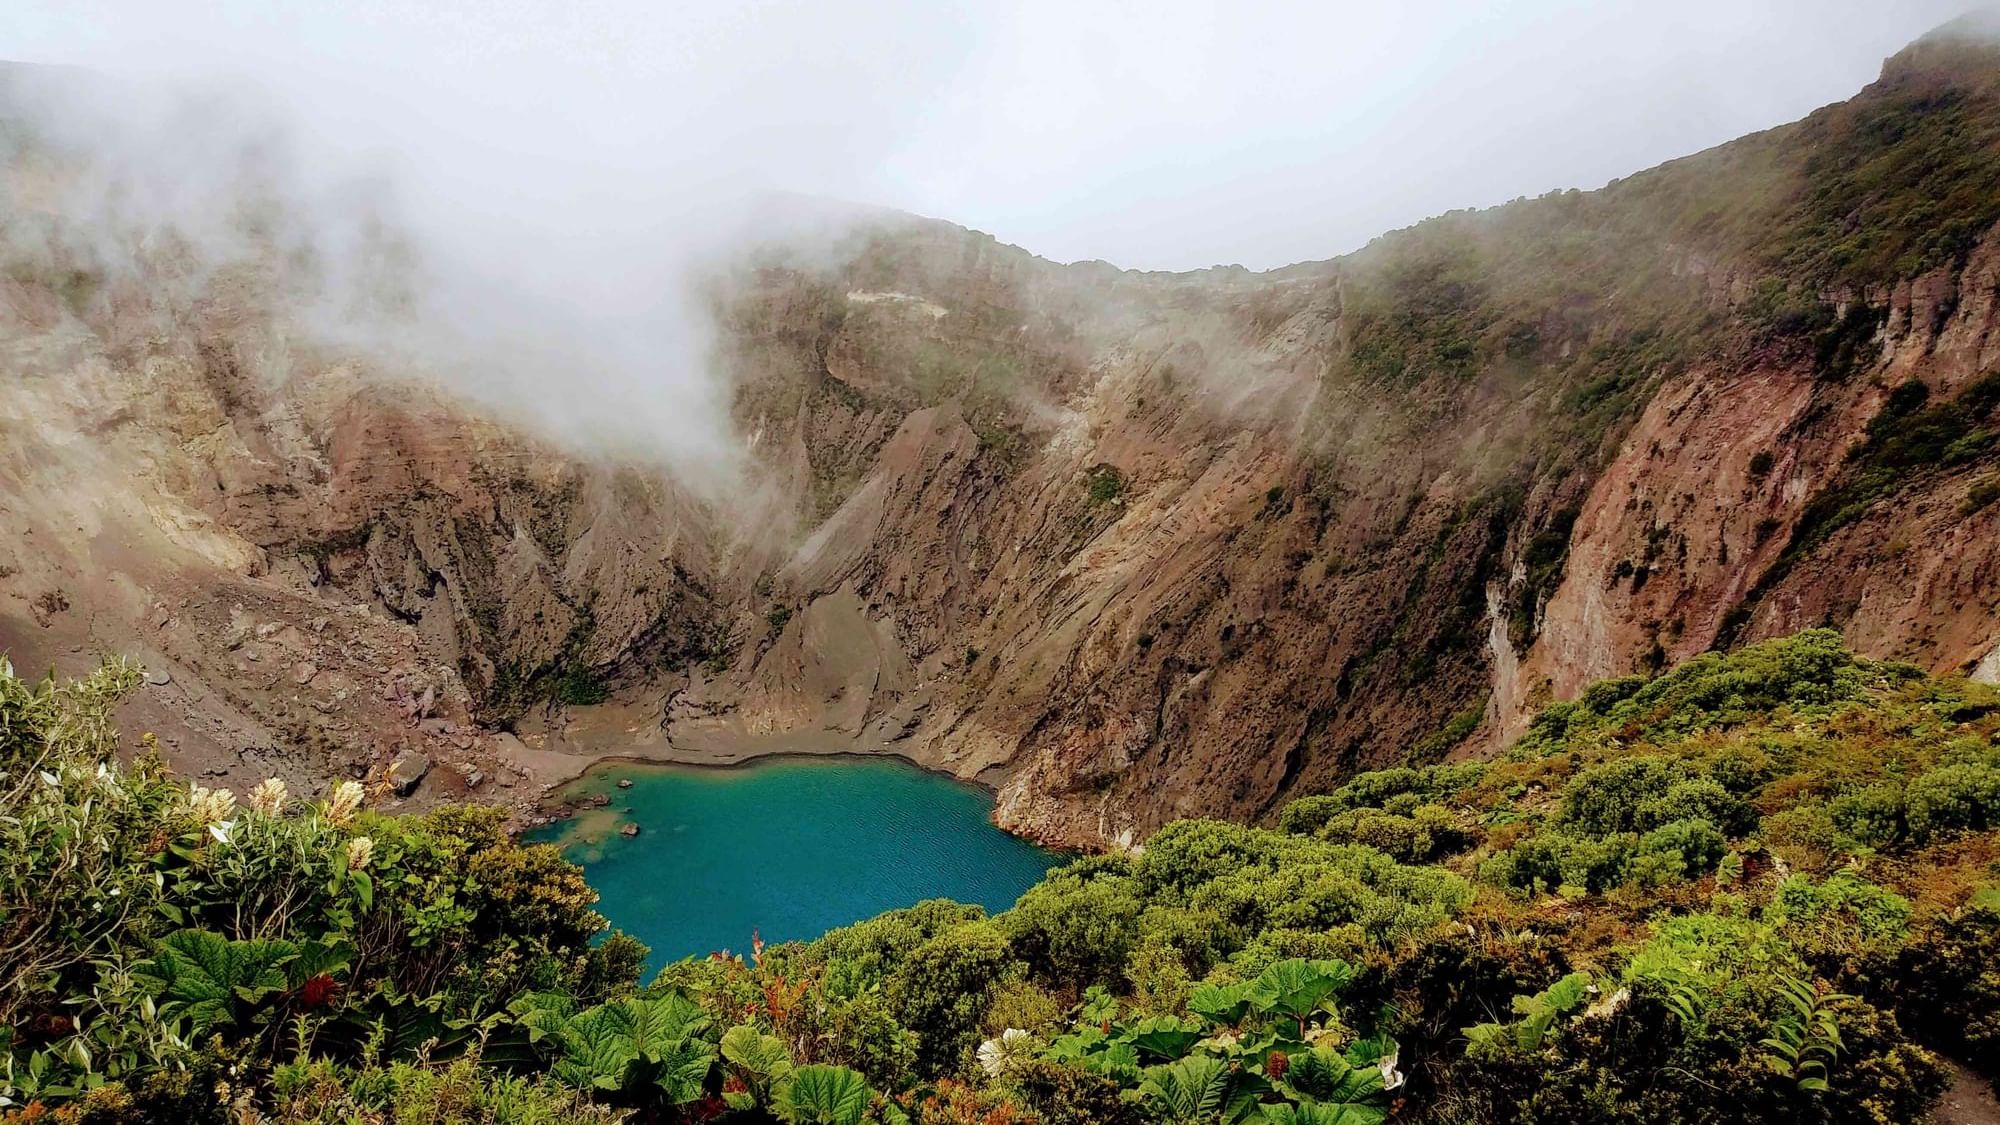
(790, 848)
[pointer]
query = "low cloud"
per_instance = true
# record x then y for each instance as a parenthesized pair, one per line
(522, 209)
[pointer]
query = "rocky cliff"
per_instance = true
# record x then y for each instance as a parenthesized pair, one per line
(1129, 546)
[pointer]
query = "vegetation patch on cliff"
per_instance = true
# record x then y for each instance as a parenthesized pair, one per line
(1773, 869)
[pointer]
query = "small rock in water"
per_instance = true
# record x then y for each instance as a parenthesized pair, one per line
(629, 830)
(624, 783)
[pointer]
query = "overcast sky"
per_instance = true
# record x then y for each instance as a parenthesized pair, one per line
(1158, 134)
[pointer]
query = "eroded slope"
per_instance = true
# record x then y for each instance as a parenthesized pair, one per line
(1133, 546)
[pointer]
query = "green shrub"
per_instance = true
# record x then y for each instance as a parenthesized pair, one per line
(1809, 669)
(1643, 793)
(942, 989)
(1983, 492)
(578, 685)
(1613, 797)
(1873, 816)
(1376, 790)
(1103, 485)
(1075, 931)
(1843, 900)
(456, 1093)
(1682, 849)
(862, 1033)
(860, 957)
(1946, 982)
(1068, 1095)
(1953, 798)
(1702, 799)
(1559, 861)
(1428, 832)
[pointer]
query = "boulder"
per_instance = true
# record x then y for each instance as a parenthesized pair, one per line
(407, 772)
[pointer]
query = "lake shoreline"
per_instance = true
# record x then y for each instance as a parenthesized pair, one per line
(551, 808)
(555, 810)
(758, 758)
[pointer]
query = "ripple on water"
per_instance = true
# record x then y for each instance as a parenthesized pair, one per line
(788, 847)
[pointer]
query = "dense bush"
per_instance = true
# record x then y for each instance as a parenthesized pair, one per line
(1773, 870)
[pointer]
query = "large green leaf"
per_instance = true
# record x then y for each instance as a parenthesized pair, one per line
(759, 1060)
(1540, 1011)
(681, 1069)
(1317, 1075)
(1372, 1050)
(818, 1094)
(1194, 1089)
(1165, 1037)
(316, 958)
(630, 1046)
(399, 1024)
(656, 1025)
(1560, 998)
(1223, 1003)
(596, 1048)
(1077, 1044)
(1099, 1006)
(1259, 1043)
(756, 1055)
(1326, 1075)
(1117, 1060)
(1295, 988)
(208, 978)
(1314, 1113)
(542, 1013)
(409, 1022)
(1094, 1051)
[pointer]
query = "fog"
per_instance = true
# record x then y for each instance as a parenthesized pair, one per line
(1166, 134)
(556, 171)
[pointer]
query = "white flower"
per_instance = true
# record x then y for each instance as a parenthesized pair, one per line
(1609, 1004)
(269, 796)
(1391, 1077)
(345, 800)
(358, 851)
(221, 830)
(996, 1054)
(210, 805)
